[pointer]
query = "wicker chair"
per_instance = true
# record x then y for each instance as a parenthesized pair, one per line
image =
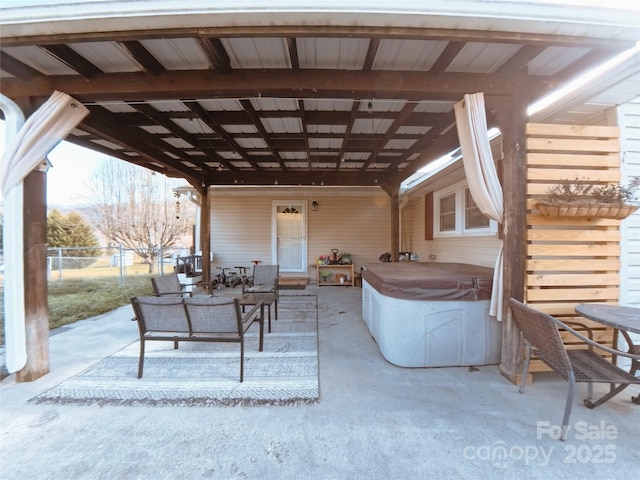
(542, 337)
(168, 286)
(265, 280)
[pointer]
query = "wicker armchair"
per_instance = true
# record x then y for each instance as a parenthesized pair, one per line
(542, 337)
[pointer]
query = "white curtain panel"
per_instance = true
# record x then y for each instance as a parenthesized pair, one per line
(25, 149)
(38, 136)
(480, 170)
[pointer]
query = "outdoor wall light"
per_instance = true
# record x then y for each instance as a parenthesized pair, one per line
(314, 206)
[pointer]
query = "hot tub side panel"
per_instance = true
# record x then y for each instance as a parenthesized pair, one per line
(431, 333)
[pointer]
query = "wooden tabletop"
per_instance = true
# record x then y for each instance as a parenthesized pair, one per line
(616, 316)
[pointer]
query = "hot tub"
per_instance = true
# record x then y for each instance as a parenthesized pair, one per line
(431, 314)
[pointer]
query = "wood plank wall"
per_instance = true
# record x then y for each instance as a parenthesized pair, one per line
(571, 260)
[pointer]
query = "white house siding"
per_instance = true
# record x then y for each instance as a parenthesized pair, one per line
(475, 250)
(629, 124)
(353, 220)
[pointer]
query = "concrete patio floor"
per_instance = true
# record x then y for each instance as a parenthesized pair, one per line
(373, 421)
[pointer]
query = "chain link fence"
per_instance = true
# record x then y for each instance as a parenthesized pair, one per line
(121, 262)
(113, 261)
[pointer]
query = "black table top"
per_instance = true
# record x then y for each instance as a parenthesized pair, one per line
(616, 316)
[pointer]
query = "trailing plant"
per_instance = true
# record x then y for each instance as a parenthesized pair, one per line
(576, 191)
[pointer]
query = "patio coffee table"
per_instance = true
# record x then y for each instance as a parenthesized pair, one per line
(623, 320)
(254, 299)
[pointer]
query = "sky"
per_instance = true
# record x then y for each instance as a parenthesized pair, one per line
(68, 179)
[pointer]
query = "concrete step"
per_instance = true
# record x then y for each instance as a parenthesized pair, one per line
(293, 281)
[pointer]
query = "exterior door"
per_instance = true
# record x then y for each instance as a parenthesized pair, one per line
(290, 235)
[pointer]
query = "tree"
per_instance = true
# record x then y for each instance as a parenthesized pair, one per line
(70, 232)
(135, 208)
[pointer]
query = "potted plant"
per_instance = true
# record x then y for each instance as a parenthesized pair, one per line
(577, 198)
(325, 274)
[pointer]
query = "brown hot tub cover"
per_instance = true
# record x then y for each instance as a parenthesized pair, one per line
(430, 281)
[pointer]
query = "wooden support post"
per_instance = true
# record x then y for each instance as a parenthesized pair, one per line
(392, 189)
(35, 278)
(512, 124)
(205, 235)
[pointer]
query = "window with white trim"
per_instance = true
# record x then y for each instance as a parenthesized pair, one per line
(457, 214)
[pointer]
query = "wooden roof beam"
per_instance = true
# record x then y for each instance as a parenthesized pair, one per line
(257, 123)
(399, 121)
(17, 68)
(204, 115)
(330, 177)
(352, 31)
(312, 117)
(143, 57)
(450, 52)
(73, 60)
(216, 54)
(440, 145)
(374, 44)
(305, 131)
(346, 137)
(292, 46)
(261, 83)
(162, 119)
(98, 124)
(518, 62)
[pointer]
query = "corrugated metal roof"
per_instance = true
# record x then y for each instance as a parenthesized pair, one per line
(554, 59)
(193, 125)
(218, 95)
(282, 125)
(481, 57)
(221, 105)
(328, 104)
(274, 104)
(110, 57)
(117, 107)
(37, 59)
(257, 52)
(332, 53)
(408, 54)
(177, 53)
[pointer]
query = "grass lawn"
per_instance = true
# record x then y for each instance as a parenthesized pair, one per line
(79, 298)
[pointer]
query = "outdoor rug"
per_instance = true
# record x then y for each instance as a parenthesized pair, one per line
(208, 374)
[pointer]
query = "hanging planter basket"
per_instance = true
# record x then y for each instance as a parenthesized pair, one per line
(598, 210)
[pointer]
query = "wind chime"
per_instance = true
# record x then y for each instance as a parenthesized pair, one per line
(177, 195)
